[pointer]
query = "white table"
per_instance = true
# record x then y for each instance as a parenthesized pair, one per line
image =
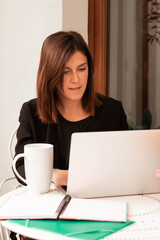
(143, 209)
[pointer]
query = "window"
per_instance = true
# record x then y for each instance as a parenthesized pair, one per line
(131, 73)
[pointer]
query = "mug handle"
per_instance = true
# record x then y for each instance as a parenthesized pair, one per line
(14, 167)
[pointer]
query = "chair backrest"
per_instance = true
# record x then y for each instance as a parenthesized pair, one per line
(11, 145)
(10, 182)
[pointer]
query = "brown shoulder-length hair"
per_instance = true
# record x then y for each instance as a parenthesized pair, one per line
(56, 51)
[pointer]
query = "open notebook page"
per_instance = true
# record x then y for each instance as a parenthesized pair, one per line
(102, 209)
(22, 204)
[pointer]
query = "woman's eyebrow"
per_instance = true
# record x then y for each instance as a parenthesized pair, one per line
(82, 64)
(67, 67)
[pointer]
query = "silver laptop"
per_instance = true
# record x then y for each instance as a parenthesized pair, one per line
(114, 163)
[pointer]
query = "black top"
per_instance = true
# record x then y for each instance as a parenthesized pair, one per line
(109, 117)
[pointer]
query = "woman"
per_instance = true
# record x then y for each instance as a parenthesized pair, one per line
(66, 102)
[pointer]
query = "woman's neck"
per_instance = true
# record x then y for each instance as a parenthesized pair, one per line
(73, 111)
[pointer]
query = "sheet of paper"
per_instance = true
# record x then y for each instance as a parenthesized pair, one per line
(96, 209)
(23, 204)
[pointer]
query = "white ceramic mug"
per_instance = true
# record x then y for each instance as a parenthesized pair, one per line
(38, 162)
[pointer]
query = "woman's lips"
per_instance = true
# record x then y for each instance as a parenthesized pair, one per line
(75, 88)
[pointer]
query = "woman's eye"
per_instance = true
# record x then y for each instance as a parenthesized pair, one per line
(66, 71)
(82, 69)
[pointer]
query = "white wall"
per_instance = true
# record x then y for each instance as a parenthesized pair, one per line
(23, 27)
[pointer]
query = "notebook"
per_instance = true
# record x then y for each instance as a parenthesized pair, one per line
(21, 204)
(114, 163)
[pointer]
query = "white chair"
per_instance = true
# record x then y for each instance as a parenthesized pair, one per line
(11, 147)
(5, 233)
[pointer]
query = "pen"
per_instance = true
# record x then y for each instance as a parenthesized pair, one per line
(63, 204)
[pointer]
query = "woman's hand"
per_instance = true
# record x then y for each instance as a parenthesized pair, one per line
(158, 172)
(60, 177)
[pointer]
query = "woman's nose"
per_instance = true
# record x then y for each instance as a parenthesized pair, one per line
(75, 77)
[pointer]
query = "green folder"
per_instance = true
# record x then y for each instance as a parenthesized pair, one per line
(88, 230)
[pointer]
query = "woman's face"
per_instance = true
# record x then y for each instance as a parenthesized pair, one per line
(75, 78)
